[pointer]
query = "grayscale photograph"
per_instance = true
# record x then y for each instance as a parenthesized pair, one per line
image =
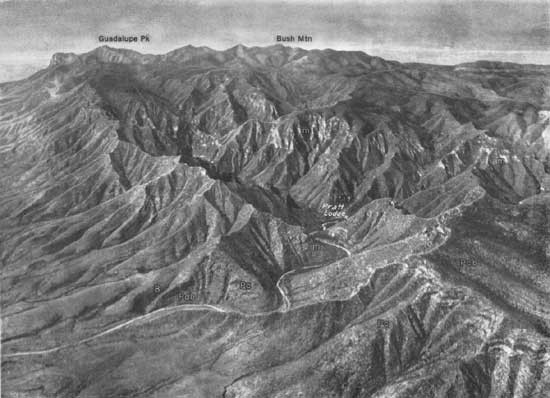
(275, 199)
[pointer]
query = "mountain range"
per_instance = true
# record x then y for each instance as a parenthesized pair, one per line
(274, 222)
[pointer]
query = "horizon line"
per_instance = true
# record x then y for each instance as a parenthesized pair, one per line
(372, 51)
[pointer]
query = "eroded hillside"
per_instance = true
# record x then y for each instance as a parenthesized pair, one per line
(274, 222)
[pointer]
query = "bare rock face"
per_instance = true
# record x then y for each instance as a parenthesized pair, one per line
(274, 222)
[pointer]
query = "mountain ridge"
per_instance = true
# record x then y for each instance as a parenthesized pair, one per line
(288, 49)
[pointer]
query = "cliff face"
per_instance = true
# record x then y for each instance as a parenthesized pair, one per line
(270, 222)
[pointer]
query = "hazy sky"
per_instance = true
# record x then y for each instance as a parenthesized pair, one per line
(445, 31)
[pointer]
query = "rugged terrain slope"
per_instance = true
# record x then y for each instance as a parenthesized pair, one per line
(274, 222)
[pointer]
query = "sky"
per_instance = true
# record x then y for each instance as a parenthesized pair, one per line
(431, 31)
